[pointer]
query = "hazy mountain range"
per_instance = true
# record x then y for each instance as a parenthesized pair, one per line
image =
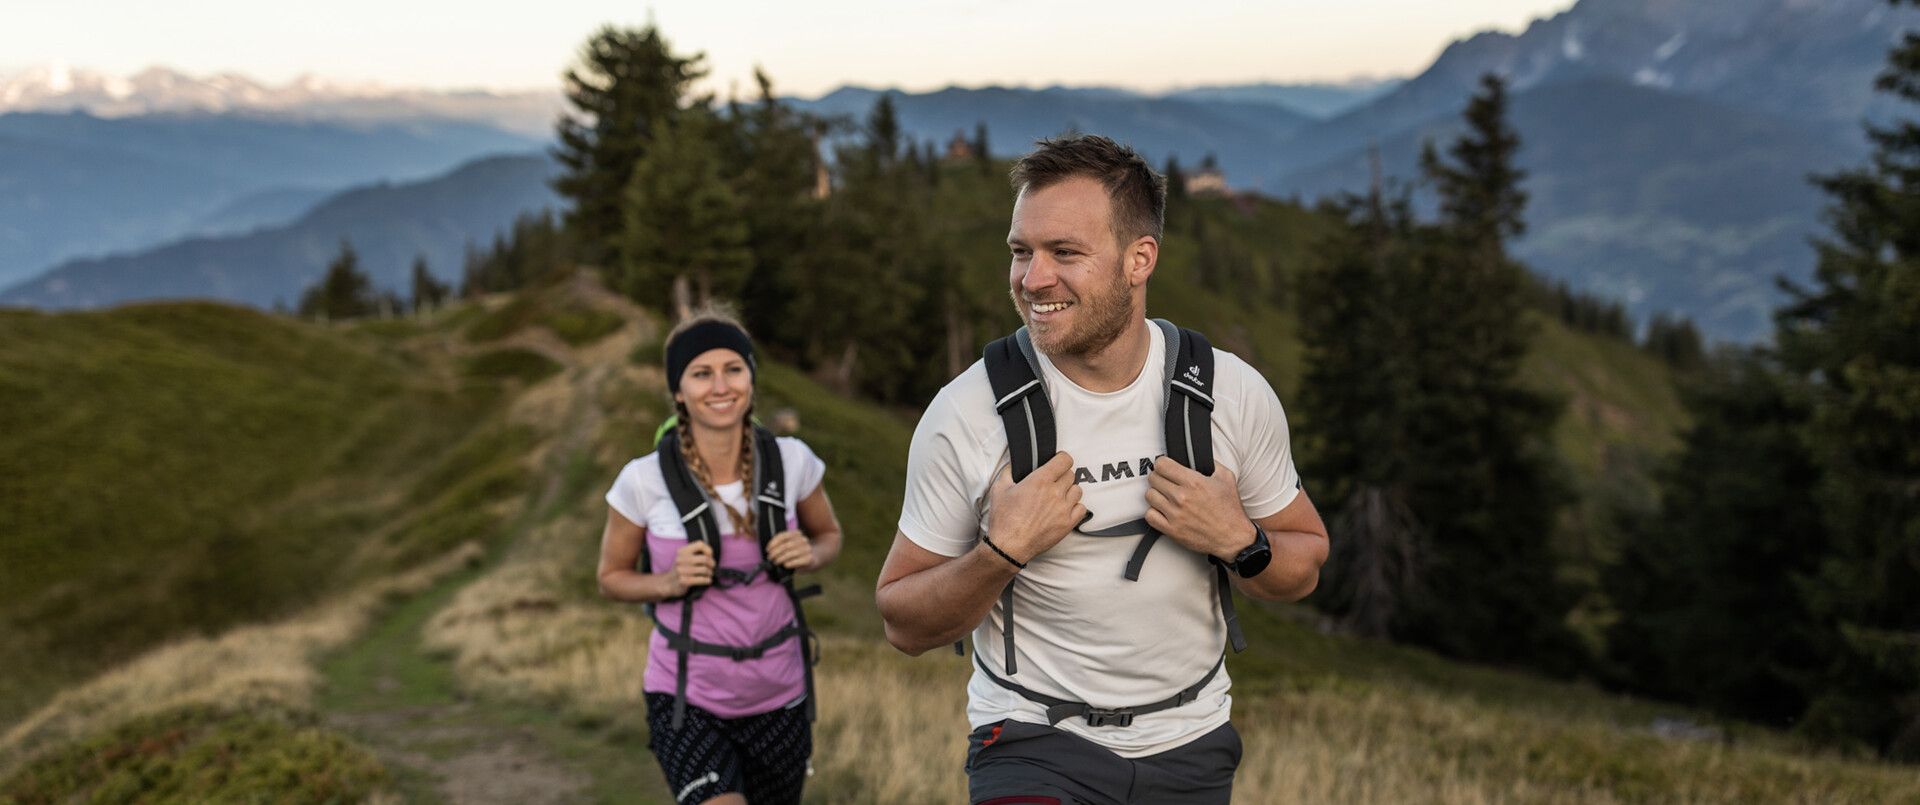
(73, 185)
(1668, 141)
(388, 225)
(1668, 144)
(58, 88)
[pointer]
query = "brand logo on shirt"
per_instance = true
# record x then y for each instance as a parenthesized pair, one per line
(1131, 468)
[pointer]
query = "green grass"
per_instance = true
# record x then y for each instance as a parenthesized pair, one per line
(394, 696)
(201, 755)
(502, 322)
(582, 327)
(176, 469)
(523, 365)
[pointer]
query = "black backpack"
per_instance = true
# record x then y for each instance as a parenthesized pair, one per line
(1021, 400)
(696, 513)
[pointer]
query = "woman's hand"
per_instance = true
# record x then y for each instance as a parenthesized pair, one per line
(791, 549)
(692, 567)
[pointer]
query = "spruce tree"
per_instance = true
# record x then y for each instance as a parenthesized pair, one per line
(1358, 380)
(1486, 486)
(344, 292)
(428, 292)
(684, 230)
(626, 82)
(771, 154)
(1705, 588)
(1851, 339)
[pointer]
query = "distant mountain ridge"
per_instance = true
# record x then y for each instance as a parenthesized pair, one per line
(59, 88)
(75, 185)
(1016, 118)
(1669, 140)
(387, 224)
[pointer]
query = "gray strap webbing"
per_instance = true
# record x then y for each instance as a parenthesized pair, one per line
(1059, 709)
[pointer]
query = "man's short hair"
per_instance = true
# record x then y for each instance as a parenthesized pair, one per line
(1139, 195)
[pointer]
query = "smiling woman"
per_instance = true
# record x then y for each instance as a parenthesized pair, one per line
(729, 683)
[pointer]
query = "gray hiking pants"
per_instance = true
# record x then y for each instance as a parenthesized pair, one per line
(1016, 763)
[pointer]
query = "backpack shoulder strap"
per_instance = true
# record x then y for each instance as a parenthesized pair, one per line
(1188, 428)
(696, 511)
(769, 492)
(1021, 400)
(1189, 400)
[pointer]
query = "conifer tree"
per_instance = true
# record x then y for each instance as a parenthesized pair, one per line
(1486, 486)
(1851, 339)
(626, 81)
(344, 292)
(1706, 587)
(1358, 382)
(774, 164)
(428, 292)
(684, 229)
(861, 302)
(980, 153)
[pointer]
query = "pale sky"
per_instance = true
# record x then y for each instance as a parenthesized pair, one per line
(807, 47)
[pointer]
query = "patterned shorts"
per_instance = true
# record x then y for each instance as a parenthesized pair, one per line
(762, 756)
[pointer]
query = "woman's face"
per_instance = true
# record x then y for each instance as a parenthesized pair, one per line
(716, 388)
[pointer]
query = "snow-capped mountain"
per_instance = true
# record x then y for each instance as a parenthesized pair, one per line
(60, 88)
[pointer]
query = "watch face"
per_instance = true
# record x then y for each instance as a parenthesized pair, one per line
(1252, 563)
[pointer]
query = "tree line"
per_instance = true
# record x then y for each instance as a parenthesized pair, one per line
(1776, 578)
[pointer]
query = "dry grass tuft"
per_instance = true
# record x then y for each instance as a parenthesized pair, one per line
(253, 667)
(509, 634)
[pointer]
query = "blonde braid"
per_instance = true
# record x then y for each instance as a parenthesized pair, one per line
(752, 524)
(742, 525)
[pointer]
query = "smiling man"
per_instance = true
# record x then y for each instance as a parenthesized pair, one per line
(1098, 671)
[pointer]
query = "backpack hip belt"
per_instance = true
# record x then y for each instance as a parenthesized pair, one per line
(1059, 709)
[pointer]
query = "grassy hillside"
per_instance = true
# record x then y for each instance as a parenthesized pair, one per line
(172, 470)
(515, 672)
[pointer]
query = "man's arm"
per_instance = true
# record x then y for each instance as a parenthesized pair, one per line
(1299, 541)
(928, 600)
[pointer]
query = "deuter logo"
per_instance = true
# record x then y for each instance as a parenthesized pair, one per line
(1193, 375)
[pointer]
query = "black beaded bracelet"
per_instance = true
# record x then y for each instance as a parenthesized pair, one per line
(1003, 554)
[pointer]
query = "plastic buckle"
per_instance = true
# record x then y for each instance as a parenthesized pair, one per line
(744, 653)
(1120, 717)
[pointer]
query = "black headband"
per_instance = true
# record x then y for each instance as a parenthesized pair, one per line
(696, 340)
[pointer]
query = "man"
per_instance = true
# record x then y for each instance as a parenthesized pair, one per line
(1145, 653)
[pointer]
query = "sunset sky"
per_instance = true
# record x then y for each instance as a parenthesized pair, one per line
(808, 48)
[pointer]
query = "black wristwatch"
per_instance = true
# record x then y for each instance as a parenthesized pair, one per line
(1253, 558)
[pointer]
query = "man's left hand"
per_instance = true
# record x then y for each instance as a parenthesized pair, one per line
(1201, 512)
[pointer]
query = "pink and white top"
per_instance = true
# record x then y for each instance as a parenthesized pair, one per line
(734, 616)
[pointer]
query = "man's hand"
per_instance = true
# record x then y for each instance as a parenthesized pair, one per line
(791, 549)
(1029, 518)
(692, 567)
(1201, 512)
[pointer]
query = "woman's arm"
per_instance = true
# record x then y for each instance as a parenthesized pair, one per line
(620, 547)
(818, 540)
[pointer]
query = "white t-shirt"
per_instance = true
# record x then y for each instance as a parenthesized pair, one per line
(1082, 631)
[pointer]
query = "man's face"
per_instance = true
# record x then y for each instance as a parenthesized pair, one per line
(1068, 279)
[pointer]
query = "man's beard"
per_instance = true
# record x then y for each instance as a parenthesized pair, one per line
(1102, 315)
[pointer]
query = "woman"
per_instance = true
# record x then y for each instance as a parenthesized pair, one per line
(727, 676)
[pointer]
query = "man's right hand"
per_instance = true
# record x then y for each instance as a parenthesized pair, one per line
(1029, 518)
(692, 567)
